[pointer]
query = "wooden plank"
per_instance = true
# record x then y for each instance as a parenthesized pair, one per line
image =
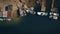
(1, 14)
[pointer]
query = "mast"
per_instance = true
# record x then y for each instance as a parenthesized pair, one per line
(52, 3)
(52, 6)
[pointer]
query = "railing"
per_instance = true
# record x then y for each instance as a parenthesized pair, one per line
(51, 15)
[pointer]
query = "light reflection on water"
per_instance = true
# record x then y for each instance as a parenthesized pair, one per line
(11, 22)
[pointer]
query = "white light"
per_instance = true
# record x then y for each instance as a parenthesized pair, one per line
(55, 13)
(39, 13)
(27, 11)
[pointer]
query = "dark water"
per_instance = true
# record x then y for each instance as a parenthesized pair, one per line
(33, 25)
